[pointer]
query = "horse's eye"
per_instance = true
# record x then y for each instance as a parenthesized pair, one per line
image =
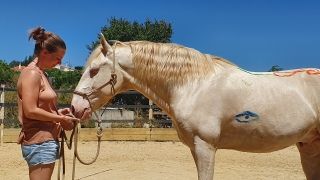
(94, 71)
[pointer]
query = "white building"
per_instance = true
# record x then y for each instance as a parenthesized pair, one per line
(64, 68)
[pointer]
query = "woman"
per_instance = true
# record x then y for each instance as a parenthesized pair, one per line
(41, 121)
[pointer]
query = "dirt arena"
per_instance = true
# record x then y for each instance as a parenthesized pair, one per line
(124, 160)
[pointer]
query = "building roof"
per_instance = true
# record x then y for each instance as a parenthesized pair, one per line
(18, 68)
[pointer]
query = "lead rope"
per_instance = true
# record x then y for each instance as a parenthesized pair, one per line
(64, 139)
(75, 131)
(75, 135)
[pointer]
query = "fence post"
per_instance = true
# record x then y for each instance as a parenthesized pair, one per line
(150, 110)
(2, 113)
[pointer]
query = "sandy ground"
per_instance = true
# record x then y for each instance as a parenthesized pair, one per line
(159, 161)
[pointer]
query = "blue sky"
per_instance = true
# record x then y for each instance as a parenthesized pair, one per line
(254, 34)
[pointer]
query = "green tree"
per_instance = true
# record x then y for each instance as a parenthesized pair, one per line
(80, 68)
(64, 79)
(6, 73)
(14, 63)
(9, 78)
(275, 68)
(123, 30)
(26, 61)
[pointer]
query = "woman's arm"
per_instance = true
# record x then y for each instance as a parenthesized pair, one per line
(29, 87)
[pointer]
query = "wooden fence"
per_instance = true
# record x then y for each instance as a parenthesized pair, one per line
(111, 134)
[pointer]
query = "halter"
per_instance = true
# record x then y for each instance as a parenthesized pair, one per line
(112, 82)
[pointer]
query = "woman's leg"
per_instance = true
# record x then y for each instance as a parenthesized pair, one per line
(41, 171)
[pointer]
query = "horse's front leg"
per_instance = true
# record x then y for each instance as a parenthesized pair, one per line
(204, 157)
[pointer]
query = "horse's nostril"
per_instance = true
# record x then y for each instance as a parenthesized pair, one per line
(72, 109)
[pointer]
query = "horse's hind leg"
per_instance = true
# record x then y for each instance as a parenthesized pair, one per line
(204, 157)
(310, 159)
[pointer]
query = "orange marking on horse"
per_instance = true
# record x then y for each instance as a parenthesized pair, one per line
(288, 74)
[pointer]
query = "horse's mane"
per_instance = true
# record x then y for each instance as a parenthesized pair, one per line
(167, 61)
(171, 62)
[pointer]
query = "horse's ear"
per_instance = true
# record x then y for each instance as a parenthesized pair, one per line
(106, 48)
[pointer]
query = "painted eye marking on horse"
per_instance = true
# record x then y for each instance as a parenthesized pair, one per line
(246, 117)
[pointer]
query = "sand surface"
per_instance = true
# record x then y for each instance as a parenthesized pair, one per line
(159, 161)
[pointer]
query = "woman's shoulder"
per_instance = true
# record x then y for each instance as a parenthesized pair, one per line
(29, 70)
(30, 74)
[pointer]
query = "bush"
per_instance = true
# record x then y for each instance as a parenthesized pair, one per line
(120, 125)
(88, 124)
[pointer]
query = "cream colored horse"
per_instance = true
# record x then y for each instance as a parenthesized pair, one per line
(213, 103)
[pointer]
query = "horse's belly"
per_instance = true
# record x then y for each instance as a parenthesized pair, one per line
(248, 143)
(267, 134)
(259, 141)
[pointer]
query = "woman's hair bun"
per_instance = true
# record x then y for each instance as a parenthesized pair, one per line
(38, 35)
(45, 40)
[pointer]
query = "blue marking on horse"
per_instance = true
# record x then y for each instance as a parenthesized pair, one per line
(246, 117)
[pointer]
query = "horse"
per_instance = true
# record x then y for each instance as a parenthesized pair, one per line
(213, 103)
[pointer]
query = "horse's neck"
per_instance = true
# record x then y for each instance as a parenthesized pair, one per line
(157, 94)
(159, 81)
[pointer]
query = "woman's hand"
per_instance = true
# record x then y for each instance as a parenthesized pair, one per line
(68, 121)
(64, 111)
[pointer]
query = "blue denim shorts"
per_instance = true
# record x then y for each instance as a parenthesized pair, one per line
(42, 153)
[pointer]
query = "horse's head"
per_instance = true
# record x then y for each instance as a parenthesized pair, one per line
(101, 80)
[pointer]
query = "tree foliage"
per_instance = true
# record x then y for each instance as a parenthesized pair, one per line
(26, 61)
(60, 79)
(275, 68)
(64, 79)
(6, 73)
(123, 30)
